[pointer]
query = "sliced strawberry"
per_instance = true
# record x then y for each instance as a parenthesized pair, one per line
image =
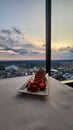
(35, 88)
(42, 86)
(29, 86)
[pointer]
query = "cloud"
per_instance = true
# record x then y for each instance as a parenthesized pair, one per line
(28, 45)
(6, 31)
(62, 52)
(2, 37)
(66, 49)
(71, 51)
(7, 52)
(34, 53)
(6, 42)
(1, 48)
(10, 40)
(16, 46)
(10, 32)
(17, 31)
(13, 43)
(21, 51)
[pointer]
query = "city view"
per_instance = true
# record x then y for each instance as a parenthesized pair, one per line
(60, 69)
(10, 69)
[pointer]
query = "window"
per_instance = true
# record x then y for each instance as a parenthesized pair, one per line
(62, 39)
(22, 37)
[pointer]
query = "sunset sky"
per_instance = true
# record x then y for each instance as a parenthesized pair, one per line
(22, 29)
(62, 29)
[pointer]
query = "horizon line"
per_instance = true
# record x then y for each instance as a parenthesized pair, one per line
(37, 59)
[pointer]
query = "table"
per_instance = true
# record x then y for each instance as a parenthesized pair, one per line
(26, 112)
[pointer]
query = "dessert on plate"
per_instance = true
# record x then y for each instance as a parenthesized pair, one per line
(38, 83)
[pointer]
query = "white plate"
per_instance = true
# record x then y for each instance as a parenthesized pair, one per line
(23, 89)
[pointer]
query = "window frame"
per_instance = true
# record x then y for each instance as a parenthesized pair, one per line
(48, 37)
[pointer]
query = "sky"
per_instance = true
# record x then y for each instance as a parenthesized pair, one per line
(62, 29)
(22, 29)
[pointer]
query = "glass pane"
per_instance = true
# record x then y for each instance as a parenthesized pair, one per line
(22, 37)
(62, 39)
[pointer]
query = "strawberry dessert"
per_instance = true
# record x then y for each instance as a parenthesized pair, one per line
(39, 82)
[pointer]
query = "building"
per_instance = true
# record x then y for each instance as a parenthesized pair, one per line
(11, 68)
